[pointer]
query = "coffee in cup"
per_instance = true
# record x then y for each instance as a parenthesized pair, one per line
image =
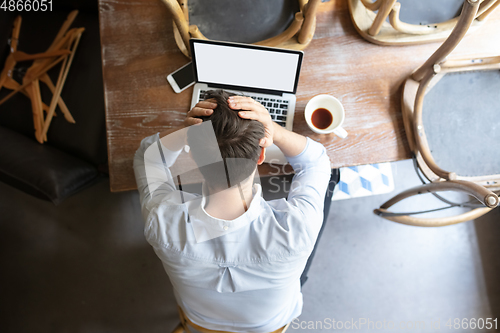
(325, 114)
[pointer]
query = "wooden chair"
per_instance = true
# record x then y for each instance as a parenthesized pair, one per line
(369, 18)
(185, 323)
(297, 36)
(62, 50)
(414, 90)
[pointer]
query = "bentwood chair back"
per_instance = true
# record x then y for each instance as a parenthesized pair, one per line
(370, 20)
(297, 35)
(480, 186)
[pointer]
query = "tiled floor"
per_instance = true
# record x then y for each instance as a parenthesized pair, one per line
(85, 267)
(378, 270)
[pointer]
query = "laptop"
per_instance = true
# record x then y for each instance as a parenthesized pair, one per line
(267, 74)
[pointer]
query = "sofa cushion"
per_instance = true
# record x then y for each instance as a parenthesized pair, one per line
(42, 170)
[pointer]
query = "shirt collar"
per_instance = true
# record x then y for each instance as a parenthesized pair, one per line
(207, 227)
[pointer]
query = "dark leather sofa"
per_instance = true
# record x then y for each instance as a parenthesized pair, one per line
(75, 155)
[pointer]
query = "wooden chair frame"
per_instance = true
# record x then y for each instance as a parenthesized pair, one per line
(183, 327)
(374, 28)
(62, 49)
(297, 36)
(414, 90)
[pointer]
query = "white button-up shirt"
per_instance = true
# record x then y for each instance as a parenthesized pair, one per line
(240, 275)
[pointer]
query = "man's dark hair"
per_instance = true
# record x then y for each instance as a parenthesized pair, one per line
(238, 142)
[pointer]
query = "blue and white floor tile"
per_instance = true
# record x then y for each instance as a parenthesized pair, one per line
(364, 180)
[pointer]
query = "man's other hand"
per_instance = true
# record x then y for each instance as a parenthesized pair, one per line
(256, 111)
(203, 108)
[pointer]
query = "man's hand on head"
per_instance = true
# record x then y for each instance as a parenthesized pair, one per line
(203, 108)
(173, 138)
(251, 109)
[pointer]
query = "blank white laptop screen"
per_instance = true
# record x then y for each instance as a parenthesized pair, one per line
(246, 67)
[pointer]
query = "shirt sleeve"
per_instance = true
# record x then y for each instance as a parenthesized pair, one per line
(309, 185)
(153, 177)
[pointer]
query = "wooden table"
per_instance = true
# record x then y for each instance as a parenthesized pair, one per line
(138, 52)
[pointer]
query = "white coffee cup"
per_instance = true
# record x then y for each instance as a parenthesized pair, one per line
(336, 110)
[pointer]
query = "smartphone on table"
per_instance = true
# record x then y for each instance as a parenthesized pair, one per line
(182, 78)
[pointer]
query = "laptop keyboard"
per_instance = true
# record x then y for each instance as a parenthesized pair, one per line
(278, 108)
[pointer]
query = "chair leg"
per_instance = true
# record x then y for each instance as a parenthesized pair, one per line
(178, 329)
(334, 179)
(184, 321)
(307, 31)
(383, 12)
